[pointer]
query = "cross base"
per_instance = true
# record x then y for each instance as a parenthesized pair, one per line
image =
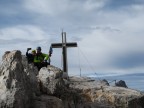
(65, 75)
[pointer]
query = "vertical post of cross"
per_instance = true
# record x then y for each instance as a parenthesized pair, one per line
(64, 52)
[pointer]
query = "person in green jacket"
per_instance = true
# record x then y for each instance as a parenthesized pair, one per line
(40, 59)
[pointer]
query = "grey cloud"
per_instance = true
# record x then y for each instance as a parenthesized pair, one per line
(23, 41)
(97, 29)
(13, 13)
(73, 15)
(8, 8)
(110, 29)
(76, 39)
(118, 4)
(13, 41)
(129, 60)
(106, 28)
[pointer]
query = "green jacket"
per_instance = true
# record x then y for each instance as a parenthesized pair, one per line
(39, 58)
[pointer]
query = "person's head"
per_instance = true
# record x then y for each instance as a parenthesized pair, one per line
(38, 49)
(33, 52)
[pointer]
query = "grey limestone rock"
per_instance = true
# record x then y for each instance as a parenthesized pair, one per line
(15, 89)
(50, 79)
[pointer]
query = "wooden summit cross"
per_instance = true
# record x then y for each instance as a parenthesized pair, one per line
(64, 45)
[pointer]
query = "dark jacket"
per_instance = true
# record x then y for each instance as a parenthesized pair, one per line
(30, 57)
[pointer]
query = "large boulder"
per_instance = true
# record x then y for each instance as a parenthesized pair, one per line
(50, 79)
(18, 83)
(15, 89)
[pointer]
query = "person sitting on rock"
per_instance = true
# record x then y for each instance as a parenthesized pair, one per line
(40, 59)
(30, 56)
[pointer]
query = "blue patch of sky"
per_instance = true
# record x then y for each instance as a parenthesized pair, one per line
(2, 2)
(12, 13)
(9, 5)
(130, 60)
(16, 20)
(117, 4)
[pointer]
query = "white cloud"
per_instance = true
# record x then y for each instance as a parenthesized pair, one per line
(134, 8)
(47, 6)
(94, 4)
(103, 45)
(23, 32)
(139, 7)
(55, 7)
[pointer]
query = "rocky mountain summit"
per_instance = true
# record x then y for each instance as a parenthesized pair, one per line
(23, 86)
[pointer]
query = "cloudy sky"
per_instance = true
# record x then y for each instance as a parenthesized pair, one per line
(109, 33)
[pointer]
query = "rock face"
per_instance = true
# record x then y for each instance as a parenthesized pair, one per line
(98, 94)
(15, 88)
(50, 79)
(22, 86)
(19, 85)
